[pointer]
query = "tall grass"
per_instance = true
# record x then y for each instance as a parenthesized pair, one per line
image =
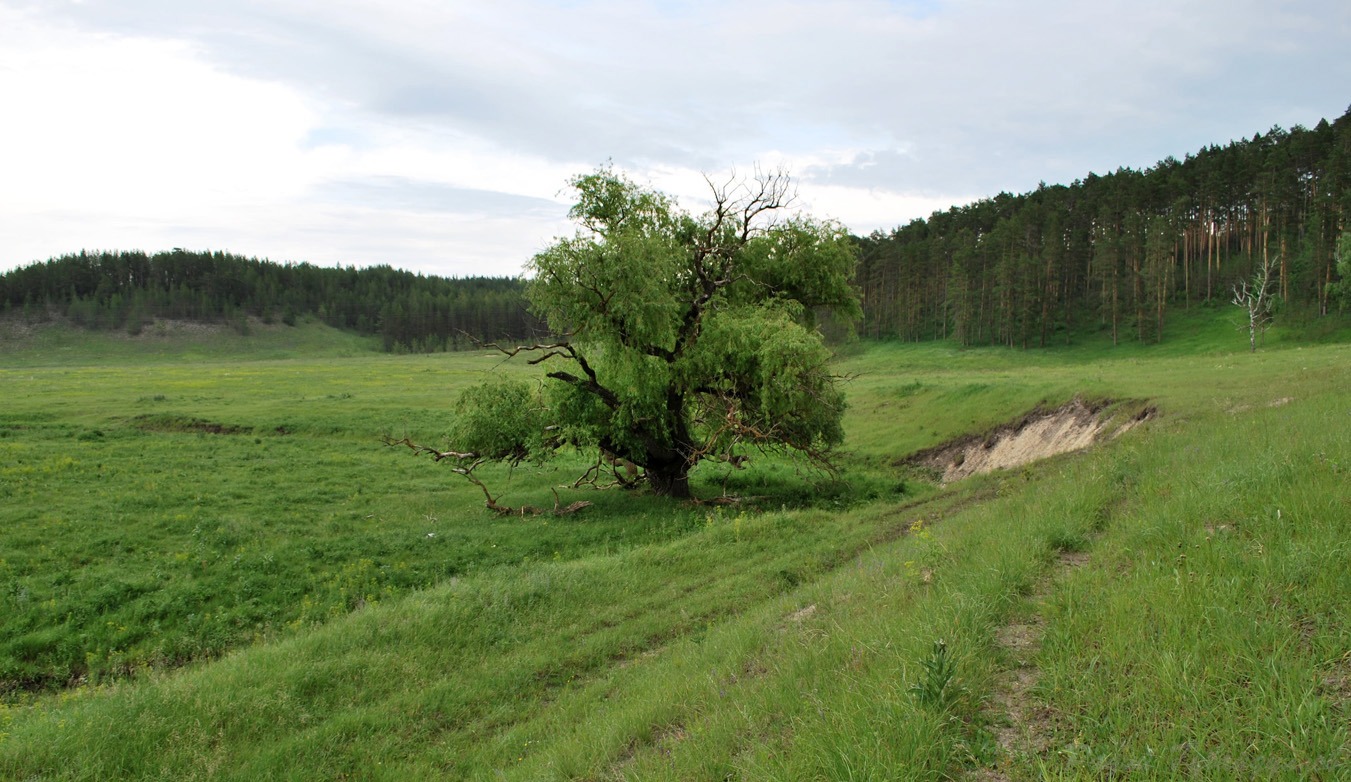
(1206, 636)
(1212, 637)
(155, 514)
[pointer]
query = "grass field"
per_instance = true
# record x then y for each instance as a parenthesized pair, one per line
(211, 569)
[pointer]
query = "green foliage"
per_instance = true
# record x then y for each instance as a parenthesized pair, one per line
(775, 367)
(688, 337)
(108, 291)
(500, 419)
(1341, 290)
(937, 686)
(805, 261)
(1126, 253)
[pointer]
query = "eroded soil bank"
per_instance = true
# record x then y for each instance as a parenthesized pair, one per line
(1039, 434)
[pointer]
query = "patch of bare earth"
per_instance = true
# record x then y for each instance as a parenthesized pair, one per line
(15, 329)
(1335, 685)
(1024, 726)
(1243, 408)
(1037, 435)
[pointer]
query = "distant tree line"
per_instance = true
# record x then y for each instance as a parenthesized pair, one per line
(128, 290)
(1115, 253)
(1119, 252)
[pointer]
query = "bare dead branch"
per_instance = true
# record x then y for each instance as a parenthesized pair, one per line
(569, 351)
(490, 502)
(512, 352)
(432, 452)
(1255, 296)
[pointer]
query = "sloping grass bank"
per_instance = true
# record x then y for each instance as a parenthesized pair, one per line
(1211, 638)
(1207, 635)
(58, 343)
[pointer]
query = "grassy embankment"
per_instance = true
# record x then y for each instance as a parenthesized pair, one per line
(1206, 633)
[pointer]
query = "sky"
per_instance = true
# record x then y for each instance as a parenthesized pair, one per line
(439, 136)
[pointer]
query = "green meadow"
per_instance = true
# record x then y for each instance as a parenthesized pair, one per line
(212, 568)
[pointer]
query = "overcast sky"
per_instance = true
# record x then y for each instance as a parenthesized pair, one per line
(438, 136)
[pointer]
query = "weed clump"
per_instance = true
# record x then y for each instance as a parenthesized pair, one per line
(938, 687)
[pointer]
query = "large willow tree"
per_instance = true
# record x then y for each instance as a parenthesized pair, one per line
(679, 338)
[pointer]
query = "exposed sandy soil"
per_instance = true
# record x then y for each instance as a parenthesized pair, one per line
(1037, 435)
(15, 329)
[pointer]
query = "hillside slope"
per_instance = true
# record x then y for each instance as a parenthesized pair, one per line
(1122, 253)
(134, 291)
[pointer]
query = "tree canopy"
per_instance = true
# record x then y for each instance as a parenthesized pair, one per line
(1342, 288)
(680, 338)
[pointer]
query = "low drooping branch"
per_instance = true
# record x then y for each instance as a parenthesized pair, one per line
(568, 351)
(608, 462)
(733, 430)
(467, 470)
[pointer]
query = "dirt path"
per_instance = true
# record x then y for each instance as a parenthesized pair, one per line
(1024, 725)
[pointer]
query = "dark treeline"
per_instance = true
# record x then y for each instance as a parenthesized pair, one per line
(1119, 252)
(1114, 253)
(127, 290)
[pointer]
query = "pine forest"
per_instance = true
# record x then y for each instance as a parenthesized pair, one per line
(1112, 254)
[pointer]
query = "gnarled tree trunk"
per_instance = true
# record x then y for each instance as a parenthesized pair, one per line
(671, 480)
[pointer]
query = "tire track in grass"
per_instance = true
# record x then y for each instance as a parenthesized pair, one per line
(1022, 725)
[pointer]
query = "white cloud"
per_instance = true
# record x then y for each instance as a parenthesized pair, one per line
(103, 122)
(132, 142)
(401, 131)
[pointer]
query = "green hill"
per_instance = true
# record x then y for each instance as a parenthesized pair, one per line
(58, 342)
(133, 292)
(1121, 254)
